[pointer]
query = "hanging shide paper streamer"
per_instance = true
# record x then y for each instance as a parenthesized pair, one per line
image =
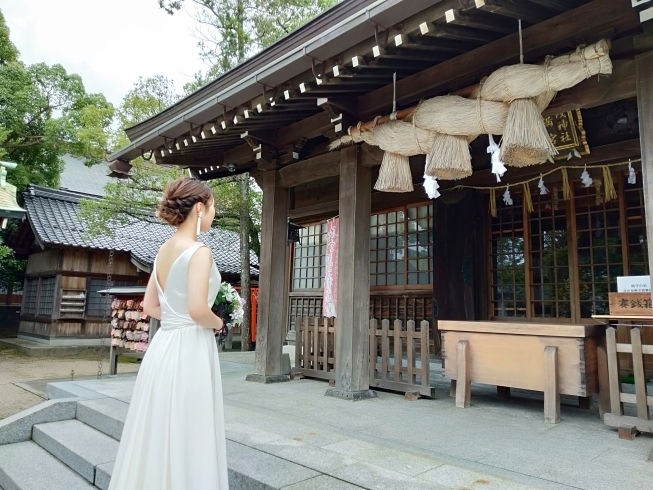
(431, 187)
(585, 178)
(632, 176)
(566, 189)
(394, 175)
(493, 203)
(610, 192)
(498, 168)
(526, 140)
(543, 190)
(449, 158)
(528, 200)
(507, 198)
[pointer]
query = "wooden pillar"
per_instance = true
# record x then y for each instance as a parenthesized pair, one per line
(352, 321)
(645, 109)
(551, 386)
(271, 325)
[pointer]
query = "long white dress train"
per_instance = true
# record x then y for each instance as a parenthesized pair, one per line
(174, 436)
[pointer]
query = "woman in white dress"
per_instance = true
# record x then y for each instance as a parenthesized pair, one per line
(174, 436)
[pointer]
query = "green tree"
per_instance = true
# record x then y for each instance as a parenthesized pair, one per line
(12, 270)
(45, 113)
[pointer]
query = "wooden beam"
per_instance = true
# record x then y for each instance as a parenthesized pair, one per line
(645, 110)
(316, 168)
(538, 40)
(307, 128)
(479, 19)
(517, 9)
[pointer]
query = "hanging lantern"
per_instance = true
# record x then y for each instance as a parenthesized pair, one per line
(294, 232)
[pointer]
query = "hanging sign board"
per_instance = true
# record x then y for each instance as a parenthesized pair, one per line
(634, 284)
(567, 133)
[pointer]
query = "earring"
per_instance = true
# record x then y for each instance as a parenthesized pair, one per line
(199, 222)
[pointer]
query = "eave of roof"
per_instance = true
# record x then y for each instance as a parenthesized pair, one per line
(347, 24)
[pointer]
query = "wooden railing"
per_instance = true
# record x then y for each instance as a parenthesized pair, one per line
(389, 371)
(628, 425)
(315, 347)
(398, 357)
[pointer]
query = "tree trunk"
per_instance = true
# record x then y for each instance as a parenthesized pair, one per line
(245, 290)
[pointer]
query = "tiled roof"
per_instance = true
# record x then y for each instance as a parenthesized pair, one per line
(77, 177)
(53, 217)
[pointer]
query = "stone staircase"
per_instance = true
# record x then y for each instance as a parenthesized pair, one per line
(76, 454)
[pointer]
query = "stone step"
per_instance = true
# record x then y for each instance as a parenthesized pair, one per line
(26, 466)
(107, 415)
(77, 445)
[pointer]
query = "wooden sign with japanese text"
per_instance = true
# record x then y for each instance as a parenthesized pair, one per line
(631, 304)
(567, 133)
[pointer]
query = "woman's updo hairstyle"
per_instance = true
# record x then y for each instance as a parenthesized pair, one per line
(180, 196)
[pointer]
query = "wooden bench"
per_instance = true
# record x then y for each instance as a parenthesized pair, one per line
(553, 358)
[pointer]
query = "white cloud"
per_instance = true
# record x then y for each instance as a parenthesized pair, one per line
(110, 43)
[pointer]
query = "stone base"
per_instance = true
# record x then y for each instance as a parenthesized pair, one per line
(354, 396)
(261, 378)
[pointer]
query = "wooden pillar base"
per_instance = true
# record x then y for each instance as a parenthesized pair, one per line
(452, 388)
(551, 387)
(627, 432)
(354, 396)
(260, 378)
(464, 384)
(604, 385)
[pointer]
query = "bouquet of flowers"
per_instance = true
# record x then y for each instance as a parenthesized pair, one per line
(228, 305)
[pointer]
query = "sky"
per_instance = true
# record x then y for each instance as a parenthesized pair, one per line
(109, 43)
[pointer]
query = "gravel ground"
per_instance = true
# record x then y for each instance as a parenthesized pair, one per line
(19, 368)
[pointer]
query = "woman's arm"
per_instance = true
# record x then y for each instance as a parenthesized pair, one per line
(199, 272)
(151, 306)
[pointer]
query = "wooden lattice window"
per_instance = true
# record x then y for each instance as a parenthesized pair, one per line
(305, 307)
(401, 247)
(96, 304)
(636, 229)
(600, 256)
(30, 296)
(309, 258)
(549, 259)
(46, 296)
(508, 261)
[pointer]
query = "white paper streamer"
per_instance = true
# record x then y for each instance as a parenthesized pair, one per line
(431, 187)
(498, 167)
(507, 199)
(585, 178)
(543, 190)
(632, 176)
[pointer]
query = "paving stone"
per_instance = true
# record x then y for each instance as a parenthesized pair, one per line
(70, 389)
(107, 415)
(26, 466)
(322, 482)
(378, 478)
(316, 458)
(18, 427)
(253, 469)
(392, 459)
(456, 477)
(248, 435)
(77, 445)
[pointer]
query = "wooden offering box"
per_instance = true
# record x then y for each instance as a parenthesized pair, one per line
(553, 358)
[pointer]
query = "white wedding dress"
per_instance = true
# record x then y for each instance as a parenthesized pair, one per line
(174, 436)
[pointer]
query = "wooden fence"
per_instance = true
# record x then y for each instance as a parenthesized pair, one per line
(392, 344)
(315, 347)
(398, 357)
(626, 424)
